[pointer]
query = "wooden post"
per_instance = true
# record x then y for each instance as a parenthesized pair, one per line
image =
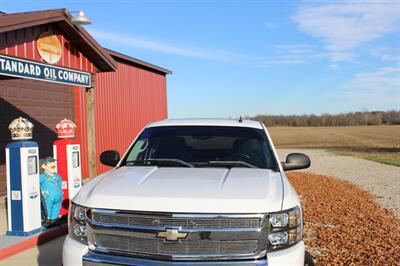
(91, 130)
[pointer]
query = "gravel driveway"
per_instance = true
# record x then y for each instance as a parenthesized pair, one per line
(382, 181)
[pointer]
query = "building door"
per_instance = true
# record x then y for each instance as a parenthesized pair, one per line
(42, 103)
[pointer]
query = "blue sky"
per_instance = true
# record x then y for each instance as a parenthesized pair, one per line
(233, 58)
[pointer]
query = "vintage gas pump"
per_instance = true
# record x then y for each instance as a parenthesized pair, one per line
(66, 150)
(23, 186)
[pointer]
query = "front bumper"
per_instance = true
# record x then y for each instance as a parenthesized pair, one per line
(77, 254)
(96, 259)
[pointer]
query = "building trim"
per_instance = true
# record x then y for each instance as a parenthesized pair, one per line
(136, 62)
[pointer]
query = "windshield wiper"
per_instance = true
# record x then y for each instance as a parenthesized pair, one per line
(229, 163)
(160, 161)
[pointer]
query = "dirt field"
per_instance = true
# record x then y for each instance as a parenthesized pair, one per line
(344, 225)
(377, 143)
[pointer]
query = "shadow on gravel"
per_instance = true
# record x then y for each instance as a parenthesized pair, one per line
(308, 259)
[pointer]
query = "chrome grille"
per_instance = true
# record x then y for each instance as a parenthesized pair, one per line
(183, 247)
(209, 237)
(188, 223)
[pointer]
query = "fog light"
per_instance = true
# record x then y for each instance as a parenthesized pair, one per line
(278, 238)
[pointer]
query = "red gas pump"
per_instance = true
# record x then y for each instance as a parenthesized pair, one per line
(66, 150)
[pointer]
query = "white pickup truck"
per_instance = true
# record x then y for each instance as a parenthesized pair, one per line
(190, 192)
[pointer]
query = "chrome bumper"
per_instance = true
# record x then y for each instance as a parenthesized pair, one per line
(98, 259)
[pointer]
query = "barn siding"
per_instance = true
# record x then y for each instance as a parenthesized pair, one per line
(125, 101)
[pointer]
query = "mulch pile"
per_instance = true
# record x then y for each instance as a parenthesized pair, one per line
(343, 224)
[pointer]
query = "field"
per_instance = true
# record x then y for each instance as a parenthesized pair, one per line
(376, 143)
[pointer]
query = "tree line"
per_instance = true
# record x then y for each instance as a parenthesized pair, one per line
(343, 119)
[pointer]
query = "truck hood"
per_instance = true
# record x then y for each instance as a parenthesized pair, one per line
(185, 190)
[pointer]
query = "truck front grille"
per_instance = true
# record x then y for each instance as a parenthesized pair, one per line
(183, 247)
(187, 223)
(208, 237)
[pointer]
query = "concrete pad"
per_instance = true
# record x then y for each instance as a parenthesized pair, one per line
(48, 254)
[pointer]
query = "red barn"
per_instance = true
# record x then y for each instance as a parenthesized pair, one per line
(51, 69)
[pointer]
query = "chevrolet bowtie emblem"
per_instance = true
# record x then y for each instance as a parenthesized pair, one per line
(172, 234)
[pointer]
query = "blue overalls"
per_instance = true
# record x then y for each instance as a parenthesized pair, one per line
(51, 188)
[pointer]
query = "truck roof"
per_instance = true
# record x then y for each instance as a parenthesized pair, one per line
(206, 122)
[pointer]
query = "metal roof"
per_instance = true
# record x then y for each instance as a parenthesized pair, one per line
(136, 62)
(103, 58)
(62, 20)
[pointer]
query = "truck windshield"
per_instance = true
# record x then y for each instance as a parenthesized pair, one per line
(202, 146)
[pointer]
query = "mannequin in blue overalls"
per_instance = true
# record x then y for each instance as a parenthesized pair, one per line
(51, 188)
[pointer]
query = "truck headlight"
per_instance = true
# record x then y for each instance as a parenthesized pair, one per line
(284, 228)
(77, 223)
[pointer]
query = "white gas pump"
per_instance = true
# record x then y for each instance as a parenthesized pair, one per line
(23, 185)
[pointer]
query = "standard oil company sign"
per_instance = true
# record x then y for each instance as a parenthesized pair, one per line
(15, 67)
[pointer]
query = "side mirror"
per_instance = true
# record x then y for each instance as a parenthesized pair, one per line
(295, 161)
(110, 158)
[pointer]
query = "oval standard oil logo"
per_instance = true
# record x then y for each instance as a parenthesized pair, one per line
(49, 47)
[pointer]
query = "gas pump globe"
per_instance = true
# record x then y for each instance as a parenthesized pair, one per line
(66, 150)
(23, 188)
